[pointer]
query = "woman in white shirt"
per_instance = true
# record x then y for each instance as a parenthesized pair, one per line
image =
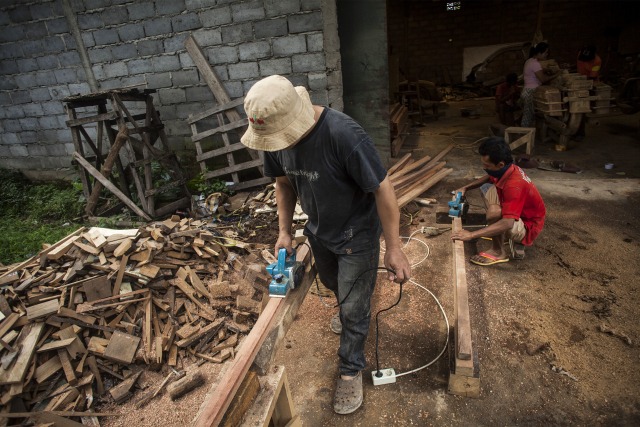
(534, 76)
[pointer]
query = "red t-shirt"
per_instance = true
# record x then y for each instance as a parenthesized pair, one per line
(521, 200)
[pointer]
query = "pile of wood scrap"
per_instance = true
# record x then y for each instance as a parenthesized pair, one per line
(399, 124)
(411, 178)
(265, 202)
(109, 303)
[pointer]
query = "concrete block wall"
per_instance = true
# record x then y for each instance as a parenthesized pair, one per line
(142, 43)
(430, 40)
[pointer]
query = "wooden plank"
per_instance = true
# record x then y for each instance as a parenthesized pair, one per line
(47, 369)
(210, 77)
(115, 190)
(214, 409)
(122, 348)
(121, 270)
(97, 288)
(122, 391)
(425, 185)
(399, 164)
(189, 292)
(28, 339)
(283, 321)
(243, 399)
(8, 323)
(93, 367)
(413, 166)
(215, 110)
(92, 119)
(67, 367)
(219, 151)
(76, 347)
(204, 331)
(235, 168)
(220, 129)
(464, 349)
(404, 183)
(59, 252)
(54, 345)
(273, 405)
(43, 309)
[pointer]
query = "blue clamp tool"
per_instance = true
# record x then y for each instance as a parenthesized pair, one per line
(286, 274)
(458, 206)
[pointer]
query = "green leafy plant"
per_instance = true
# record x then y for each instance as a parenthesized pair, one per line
(201, 185)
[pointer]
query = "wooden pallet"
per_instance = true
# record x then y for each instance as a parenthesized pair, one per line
(225, 159)
(134, 154)
(227, 143)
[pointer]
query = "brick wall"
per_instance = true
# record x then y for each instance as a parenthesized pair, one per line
(430, 40)
(133, 42)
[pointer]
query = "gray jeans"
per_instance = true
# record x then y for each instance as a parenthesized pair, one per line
(353, 275)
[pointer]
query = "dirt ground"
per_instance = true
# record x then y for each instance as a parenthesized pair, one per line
(536, 323)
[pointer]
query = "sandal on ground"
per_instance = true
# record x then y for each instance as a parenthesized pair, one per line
(335, 325)
(484, 258)
(348, 395)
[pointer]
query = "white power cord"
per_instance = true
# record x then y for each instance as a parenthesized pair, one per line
(444, 315)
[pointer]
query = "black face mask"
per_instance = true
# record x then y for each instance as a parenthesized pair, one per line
(498, 174)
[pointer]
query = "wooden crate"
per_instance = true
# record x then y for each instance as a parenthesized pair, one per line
(548, 100)
(580, 106)
(582, 84)
(602, 105)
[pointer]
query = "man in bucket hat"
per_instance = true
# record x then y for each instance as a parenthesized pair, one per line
(326, 160)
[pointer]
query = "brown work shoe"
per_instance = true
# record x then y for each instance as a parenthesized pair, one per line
(349, 395)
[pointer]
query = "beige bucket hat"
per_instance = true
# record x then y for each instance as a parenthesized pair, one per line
(279, 114)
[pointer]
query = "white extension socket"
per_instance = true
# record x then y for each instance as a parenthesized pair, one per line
(388, 377)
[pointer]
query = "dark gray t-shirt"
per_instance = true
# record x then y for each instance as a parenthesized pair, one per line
(334, 171)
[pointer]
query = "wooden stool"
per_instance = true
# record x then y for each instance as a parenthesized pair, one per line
(526, 136)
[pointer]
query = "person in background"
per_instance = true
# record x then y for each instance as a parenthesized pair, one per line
(589, 63)
(323, 158)
(507, 95)
(534, 76)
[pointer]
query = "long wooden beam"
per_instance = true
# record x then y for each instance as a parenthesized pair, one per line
(213, 410)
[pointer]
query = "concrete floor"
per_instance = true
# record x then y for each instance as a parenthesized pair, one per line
(421, 398)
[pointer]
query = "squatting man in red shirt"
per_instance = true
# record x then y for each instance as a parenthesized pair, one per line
(515, 209)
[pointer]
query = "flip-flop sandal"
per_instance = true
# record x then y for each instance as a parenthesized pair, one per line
(348, 395)
(490, 259)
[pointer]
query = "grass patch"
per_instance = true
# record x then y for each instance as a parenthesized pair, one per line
(33, 214)
(21, 239)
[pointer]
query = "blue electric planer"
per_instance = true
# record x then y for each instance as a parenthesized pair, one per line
(286, 274)
(458, 206)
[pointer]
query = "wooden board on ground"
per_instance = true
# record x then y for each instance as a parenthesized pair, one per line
(122, 347)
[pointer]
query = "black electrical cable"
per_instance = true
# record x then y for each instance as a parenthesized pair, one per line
(378, 373)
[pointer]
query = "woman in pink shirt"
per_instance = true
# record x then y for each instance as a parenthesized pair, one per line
(534, 76)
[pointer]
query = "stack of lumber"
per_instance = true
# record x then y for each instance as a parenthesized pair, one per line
(112, 302)
(399, 124)
(412, 178)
